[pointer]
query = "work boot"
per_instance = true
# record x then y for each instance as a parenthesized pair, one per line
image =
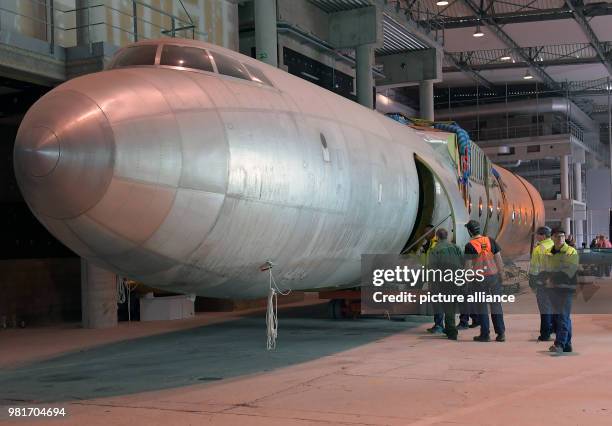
(556, 349)
(568, 348)
(543, 338)
(463, 326)
(436, 329)
(500, 338)
(474, 325)
(482, 338)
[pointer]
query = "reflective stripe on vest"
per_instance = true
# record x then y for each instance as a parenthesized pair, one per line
(485, 259)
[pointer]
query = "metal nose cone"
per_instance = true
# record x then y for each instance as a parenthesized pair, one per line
(64, 154)
(40, 151)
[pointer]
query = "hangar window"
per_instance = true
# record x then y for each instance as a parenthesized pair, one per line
(490, 208)
(230, 66)
(187, 57)
(498, 210)
(470, 205)
(136, 55)
(513, 213)
(257, 75)
(480, 207)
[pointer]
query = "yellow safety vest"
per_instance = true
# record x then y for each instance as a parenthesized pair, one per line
(424, 257)
(536, 265)
(564, 261)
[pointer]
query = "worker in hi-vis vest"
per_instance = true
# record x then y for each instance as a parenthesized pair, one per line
(445, 256)
(537, 275)
(483, 253)
(561, 269)
(430, 241)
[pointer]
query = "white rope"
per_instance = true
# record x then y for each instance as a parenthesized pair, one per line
(272, 311)
(121, 286)
(124, 292)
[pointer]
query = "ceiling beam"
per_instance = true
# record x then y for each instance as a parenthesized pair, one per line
(508, 41)
(590, 34)
(590, 10)
(469, 71)
(510, 65)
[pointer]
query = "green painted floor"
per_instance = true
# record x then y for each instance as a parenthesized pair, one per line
(204, 354)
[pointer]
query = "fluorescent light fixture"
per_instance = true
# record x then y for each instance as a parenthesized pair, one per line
(527, 75)
(478, 32)
(442, 3)
(505, 58)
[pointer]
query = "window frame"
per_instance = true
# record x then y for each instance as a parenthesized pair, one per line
(158, 52)
(113, 64)
(176, 67)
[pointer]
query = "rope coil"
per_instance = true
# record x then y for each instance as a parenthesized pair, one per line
(272, 309)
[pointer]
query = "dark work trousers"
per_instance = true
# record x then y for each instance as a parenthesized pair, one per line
(450, 326)
(491, 285)
(466, 314)
(561, 306)
(438, 316)
(546, 318)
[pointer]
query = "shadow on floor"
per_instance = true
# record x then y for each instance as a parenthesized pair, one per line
(204, 354)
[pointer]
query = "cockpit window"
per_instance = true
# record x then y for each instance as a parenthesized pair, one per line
(258, 75)
(136, 55)
(229, 66)
(188, 57)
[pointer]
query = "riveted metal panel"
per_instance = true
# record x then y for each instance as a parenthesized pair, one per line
(98, 238)
(191, 217)
(148, 149)
(205, 153)
(133, 210)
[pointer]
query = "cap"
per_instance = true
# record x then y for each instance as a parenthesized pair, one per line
(544, 230)
(558, 230)
(473, 227)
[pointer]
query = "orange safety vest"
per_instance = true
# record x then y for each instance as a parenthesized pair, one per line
(485, 258)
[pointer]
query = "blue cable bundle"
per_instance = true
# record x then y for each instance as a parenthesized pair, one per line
(399, 118)
(463, 139)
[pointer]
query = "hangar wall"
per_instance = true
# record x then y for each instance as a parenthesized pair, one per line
(39, 276)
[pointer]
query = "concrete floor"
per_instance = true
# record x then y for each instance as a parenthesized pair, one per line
(215, 370)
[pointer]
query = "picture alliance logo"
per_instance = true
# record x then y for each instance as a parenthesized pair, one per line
(412, 276)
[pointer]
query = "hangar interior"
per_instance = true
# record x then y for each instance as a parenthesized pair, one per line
(529, 80)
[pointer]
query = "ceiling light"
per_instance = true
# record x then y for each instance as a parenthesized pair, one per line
(505, 58)
(478, 32)
(527, 75)
(442, 3)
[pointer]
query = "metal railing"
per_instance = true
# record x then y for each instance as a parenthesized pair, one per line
(526, 130)
(45, 21)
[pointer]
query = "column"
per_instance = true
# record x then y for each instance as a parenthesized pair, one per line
(426, 100)
(565, 189)
(266, 37)
(365, 82)
(98, 296)
(83, 21)
(578, 223)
